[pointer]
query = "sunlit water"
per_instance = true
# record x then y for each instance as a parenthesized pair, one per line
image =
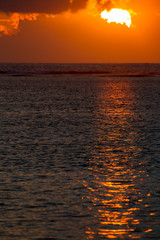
(80, 148)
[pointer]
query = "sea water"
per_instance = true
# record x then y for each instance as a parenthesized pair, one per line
(80, 150)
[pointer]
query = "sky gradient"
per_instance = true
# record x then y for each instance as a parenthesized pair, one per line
(67, 31)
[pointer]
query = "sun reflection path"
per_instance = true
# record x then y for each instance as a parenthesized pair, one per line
(112, 189)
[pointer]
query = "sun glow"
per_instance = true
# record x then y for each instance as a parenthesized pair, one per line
(118, 16)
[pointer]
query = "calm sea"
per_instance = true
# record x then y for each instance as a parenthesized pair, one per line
(80, 151)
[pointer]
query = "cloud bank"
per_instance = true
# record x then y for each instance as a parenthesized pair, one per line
(41, 6)
(58, 6)
(12, 12)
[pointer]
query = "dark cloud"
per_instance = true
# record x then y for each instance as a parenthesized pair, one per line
(105, 4)
(41, 6)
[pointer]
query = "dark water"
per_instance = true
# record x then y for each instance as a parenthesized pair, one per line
(80, 150)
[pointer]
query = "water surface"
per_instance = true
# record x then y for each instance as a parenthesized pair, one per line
(80, 151)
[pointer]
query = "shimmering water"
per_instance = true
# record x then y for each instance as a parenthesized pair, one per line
(80, 150)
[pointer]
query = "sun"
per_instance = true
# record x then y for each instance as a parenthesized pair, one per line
(118, 16)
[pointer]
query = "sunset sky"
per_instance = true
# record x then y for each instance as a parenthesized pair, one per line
(72, 31)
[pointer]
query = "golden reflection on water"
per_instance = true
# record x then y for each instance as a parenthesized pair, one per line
(112, 189)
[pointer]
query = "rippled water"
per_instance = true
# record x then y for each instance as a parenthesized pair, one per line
(79, 152)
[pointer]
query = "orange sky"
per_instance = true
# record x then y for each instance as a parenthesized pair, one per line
(79, 34)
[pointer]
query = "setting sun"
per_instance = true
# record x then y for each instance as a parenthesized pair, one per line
(80, 114)
(118, 16)
(94, 31)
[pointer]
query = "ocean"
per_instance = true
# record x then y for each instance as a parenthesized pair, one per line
(80, 151)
